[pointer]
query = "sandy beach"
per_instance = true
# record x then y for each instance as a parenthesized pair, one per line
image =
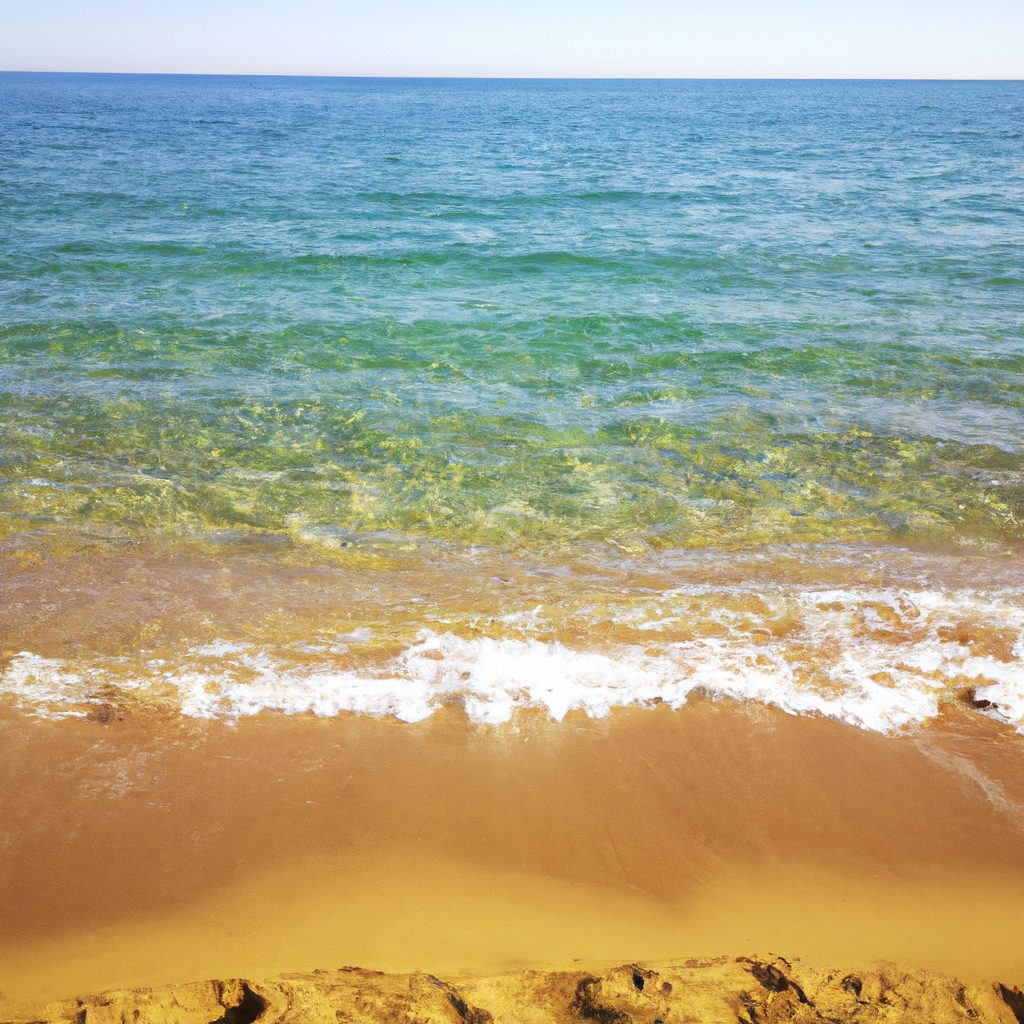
(144, 852)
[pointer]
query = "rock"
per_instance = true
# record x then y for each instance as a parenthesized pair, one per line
(724, 990)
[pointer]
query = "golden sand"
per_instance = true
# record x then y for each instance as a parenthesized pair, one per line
(149, 852)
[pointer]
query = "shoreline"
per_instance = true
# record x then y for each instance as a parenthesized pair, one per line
(878, 637)
(147, 851)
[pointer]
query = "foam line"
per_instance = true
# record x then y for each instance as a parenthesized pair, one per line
(880, 660)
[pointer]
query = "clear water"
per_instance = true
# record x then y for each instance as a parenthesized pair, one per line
(568, 323)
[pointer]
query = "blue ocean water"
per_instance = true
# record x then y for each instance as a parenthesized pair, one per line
(366, 395)
(529, 312)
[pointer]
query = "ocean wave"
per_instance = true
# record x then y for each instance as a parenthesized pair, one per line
(879, 659)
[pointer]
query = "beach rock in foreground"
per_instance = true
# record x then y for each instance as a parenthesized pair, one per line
(749, 990)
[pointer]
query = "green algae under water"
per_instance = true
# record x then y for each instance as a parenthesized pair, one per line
(530, 313)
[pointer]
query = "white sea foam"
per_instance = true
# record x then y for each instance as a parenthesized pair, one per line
(879, 659)
(44, 682)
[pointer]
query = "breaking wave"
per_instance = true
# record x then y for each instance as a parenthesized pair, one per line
(882, 660)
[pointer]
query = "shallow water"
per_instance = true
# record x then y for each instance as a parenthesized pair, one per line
(521, 372)
(880, 638)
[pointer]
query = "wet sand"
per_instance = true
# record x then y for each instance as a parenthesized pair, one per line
(152, 851)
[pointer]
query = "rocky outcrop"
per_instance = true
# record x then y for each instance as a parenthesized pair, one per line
(747, 990)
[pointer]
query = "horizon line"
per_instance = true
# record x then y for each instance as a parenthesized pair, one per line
(503, 78)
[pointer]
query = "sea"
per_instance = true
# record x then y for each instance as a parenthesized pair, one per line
(534, 398)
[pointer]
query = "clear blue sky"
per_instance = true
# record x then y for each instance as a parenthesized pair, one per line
(614, 38)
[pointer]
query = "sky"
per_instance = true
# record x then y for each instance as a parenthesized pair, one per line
(520, 38)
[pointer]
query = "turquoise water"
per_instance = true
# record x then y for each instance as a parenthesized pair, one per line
(341, 395)
(659, 314)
